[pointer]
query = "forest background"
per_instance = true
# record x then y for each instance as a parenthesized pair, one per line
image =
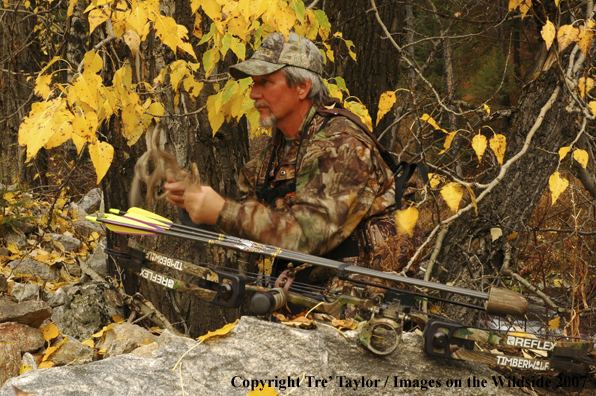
(494, 96)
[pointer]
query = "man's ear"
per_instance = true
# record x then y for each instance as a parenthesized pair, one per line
(304, 89)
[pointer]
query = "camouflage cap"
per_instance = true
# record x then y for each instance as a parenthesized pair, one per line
(275, 53)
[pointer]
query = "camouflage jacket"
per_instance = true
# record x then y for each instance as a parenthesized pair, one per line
(343, 189)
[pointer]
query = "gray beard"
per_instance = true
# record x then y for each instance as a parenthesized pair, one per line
(268, 122)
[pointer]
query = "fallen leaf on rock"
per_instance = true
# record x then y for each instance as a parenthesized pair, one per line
(349, 324)
(50, 331)
(301, 322)
(53, 349)
(24, 368)
(265, 390)
(220, 332)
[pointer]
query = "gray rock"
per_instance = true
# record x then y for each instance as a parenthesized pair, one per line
(73, 269)
(91, 203)
(85, 228)
(18, 239)
(28, 291)
(26, 338)
(30, 313)
(167, 337)
(146, 351)
(69, 243)
(98, 261)
(25, 227)
(120, 347)
(32, 267)
(10, 359)
(87, 309)
(73, 353)
(80, 213)
(254, 350)
(29, 360)
(58, 298)
(125, 331)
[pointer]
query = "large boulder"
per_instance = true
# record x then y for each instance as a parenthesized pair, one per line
(32, 267)
(87, 308)
(261, 350)
(30, 313)
(26, 338)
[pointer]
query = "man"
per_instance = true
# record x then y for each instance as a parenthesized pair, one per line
(321, 187)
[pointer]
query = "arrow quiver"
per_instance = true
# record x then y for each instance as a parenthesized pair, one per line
(382, 316)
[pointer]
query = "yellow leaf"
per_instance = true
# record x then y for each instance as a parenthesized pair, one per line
(132, 39)
(220, 332)
(496, 233)
(513, 4)
(586, 36)
(498, 145)
(566, 35)
(361, 111)
(53, 349)
(479, 144)
(86, 88)
(50, 331)
(102, 154)
(386, 102)
(89, 342)
(138, 18)
(452, 194)
(97, 17)
(592, 106)
(102, 331)
(117, 319)
(46, 364)
(132, 122)
(448, 141)
(23, 368)
(472, 199)
(166, 29)
(238, 48)
(558, 282)
(486, 108)
(524, 7)
(548, 33)
(556, 185)
(263, 390)
(563, 152)
(585, 85)
(554, 323)
(406, 220)
(349, 324)
(430, 120)
(581, 156)
(434, 180)
(37, 128)
(42, 85)
(92, 62)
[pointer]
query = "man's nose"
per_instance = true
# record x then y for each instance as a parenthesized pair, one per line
(255, 93)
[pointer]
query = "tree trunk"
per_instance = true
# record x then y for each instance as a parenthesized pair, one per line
(219, 159)
(468, 252)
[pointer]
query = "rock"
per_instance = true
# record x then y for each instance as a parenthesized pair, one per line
(25, 227)
(146, 351)
(32, 267)
(167, 337)
(30, 313)
(120, 347)
(10, 359)
(127, 331)
(73, 353)
(26, 338)
(29, 360)
(58, 298)
(91, 203)
(257, 349)
(80, 213)
(87, 309)
(28, 291)
(18, 239)
(98, 261)
(84, 228)
(3, 284)
(73, 269)
(68, 242)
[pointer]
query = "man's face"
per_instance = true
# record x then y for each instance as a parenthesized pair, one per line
(274, 100)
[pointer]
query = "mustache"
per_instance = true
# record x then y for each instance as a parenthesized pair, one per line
(262, 103)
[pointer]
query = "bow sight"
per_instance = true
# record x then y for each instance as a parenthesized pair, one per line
(383, 314)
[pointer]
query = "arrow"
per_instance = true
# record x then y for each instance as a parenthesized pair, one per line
(500, 301)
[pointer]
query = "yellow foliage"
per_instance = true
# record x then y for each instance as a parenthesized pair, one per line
(220, 332)
(97, 17)
(406, 220)
(548, 33)
(479, 145)
(50, 331)
(448, 141)
(566, 35)
(498, 145)
(386, 102)
(452, 194)
(264, 390)
(563, 152)
(554, 324)
(102, 154)
(582, 157)
(586, 37)
(585, 85)
(556, 185)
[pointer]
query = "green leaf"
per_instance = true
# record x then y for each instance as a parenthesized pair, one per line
(208, 36)
(342, 84)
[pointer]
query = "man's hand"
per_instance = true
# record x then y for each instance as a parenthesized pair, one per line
(202, 203)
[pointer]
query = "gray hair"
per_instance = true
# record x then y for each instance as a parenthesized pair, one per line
(318, 91)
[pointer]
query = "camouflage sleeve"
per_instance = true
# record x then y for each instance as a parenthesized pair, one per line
(338, 182)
